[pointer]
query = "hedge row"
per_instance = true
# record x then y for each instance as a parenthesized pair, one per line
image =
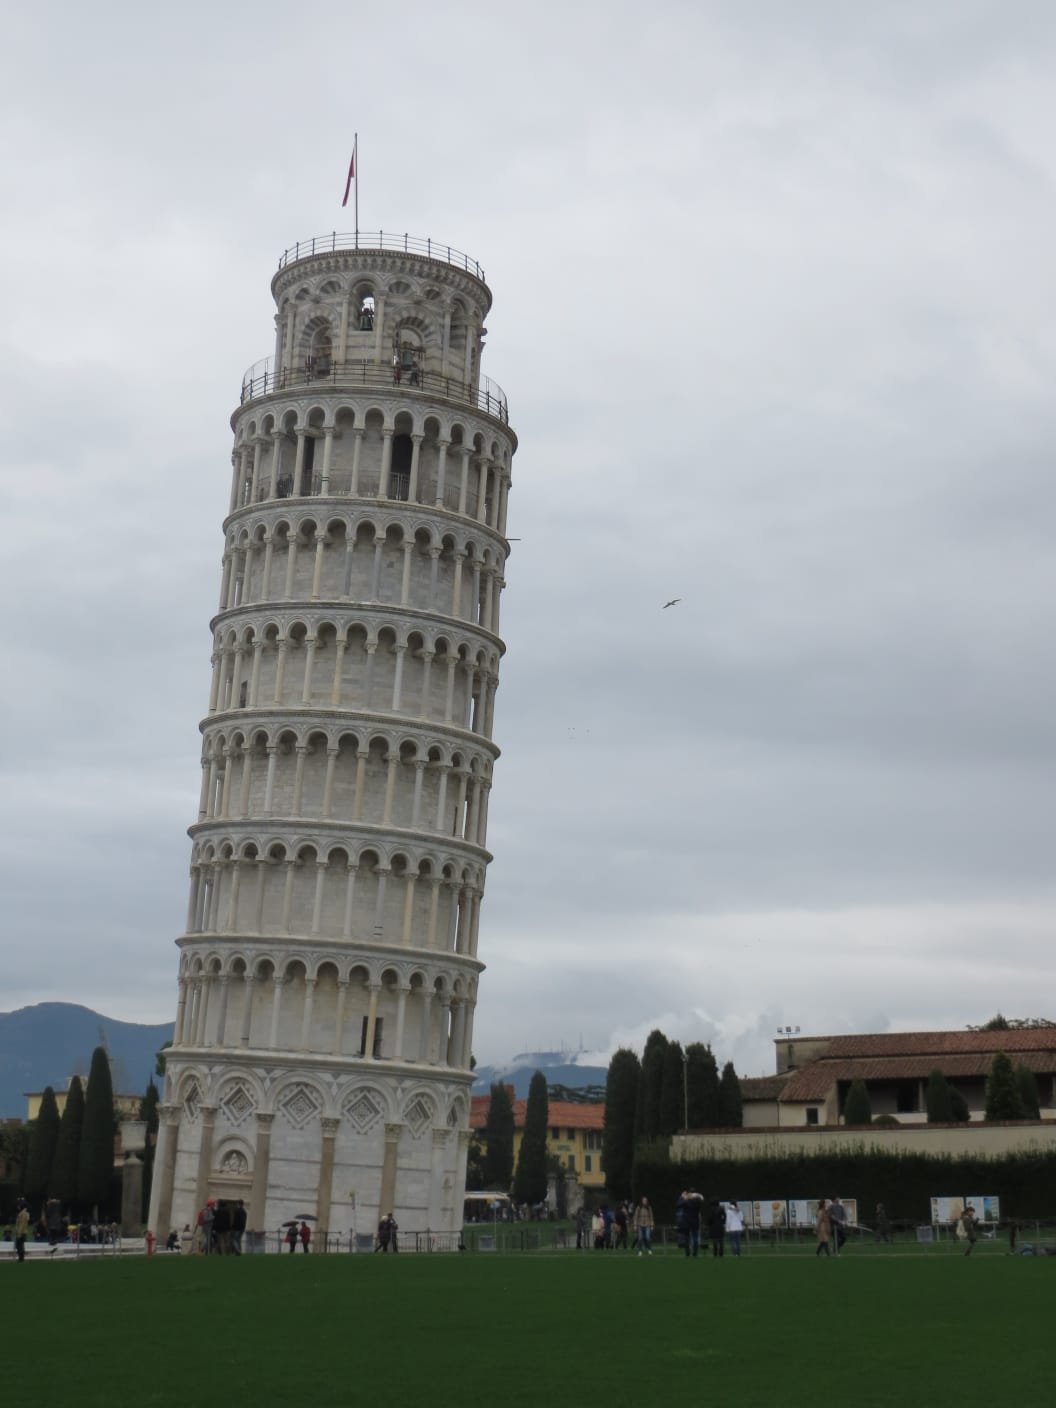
(904, 1183)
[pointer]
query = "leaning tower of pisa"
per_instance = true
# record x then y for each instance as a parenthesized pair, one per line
(328, 972)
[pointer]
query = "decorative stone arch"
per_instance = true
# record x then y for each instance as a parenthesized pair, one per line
(298, 1100)
(366, 1105)
(419, 1111)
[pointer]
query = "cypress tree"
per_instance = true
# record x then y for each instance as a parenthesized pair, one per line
(1003, 1101)
(702, 1082)
(95, 1168)
(731, 1108)
(672, 1115)
(647, 1116)
(498, 1139)
(857, 1108)
(959, 1107)
(1028, 1093)
(148, 1112)
(42, 1145)
(529, 1182)
(938, 1099)
(617, 1140)
(68, 1147)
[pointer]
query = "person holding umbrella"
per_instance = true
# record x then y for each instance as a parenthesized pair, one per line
(291, 1234)
(305, 1235)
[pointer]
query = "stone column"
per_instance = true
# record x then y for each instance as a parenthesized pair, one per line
(339, 1020)
(165, 1168)
(401, 1018)
(221, 1017)
(388, 1169)
(438, 1172)
(259, 1194)
(205, 1155)
(326, 1181)
(372, 1022)
(416, 448)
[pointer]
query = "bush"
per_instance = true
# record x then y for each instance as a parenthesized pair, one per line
(857, 1108)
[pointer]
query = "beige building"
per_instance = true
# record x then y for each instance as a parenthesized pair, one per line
(328, 971)
(800, 1107)
(126, 1107)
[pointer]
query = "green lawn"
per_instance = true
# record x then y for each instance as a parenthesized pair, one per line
(548, 1329)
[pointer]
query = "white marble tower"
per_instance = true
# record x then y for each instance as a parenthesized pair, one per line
(328, 973)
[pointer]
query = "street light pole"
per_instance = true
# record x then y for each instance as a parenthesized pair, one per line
(685, 1091)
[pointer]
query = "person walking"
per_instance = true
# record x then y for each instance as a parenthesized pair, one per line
(643, 1227)
(238, 1227)
(306, 1236)
(687, 1219)
(823, 1228)
(582, 1229)
(597, 1230)
(291, 1237)
(838, 1219)
(883, 1224)
(717, 1227)
(21, 1230)
(734, 1227)
(971, 1228)
(620, 1227)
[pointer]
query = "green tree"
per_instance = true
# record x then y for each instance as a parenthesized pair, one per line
(647, 1116)
(959, 1106)
(1028, 1093)
(148, 1113)
(529, 1181)
(617, 1140)
(672, 1086)
(938, 1099)
(160, 1059)
(63, 1183)
(42, 1144)
(95, 1168)
(475, 1164)
(857, 1108)
(702, 1086)
(498, 1140)
(731, 1107)
(997, 1023)
(1003, 1100)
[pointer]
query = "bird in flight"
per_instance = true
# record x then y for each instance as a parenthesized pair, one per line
(673, 602)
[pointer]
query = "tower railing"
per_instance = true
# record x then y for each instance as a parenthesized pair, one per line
(261, 380)
(380, 239)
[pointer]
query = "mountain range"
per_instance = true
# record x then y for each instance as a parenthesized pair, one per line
(557, 1066)
(48, 1043)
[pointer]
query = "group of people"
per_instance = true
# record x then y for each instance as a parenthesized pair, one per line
(628, 1226)
(719, 1220)
(385, 1240)
(298, 1235)
(830, 1226)
(219, 1230)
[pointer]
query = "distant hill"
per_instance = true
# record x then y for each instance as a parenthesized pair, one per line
(555, 1065)
(48, 1043)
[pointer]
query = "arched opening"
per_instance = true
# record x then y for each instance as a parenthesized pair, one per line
(400, 473)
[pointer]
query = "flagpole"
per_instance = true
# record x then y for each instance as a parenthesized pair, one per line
(355, 178)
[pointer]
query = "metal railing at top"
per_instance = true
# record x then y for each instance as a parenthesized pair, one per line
(378, 239)
(485, 395)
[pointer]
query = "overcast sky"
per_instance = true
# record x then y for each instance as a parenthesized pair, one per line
(775, 310)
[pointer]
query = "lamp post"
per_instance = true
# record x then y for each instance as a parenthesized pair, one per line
(685, 1091)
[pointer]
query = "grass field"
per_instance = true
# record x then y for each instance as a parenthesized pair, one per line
(558, 1328)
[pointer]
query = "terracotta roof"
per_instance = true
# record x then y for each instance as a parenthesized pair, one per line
(814, 1082)
(941, 1043)
(763, 1087)
(563, 1114)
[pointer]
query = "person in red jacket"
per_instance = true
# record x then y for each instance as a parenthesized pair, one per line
(306, 1235)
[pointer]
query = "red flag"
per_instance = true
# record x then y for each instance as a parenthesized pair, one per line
(351, 176)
